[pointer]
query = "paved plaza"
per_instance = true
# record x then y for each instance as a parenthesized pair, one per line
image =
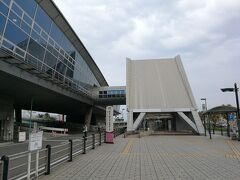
(156, 157)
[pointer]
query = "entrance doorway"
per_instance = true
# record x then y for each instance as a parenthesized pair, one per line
(164, 125)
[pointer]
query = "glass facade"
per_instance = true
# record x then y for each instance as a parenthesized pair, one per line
(27, 32)
(112, 94)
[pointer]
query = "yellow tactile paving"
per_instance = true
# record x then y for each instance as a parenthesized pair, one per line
(234, 153)
(128, 146)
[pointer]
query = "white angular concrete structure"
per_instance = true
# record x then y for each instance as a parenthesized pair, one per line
(160, 86)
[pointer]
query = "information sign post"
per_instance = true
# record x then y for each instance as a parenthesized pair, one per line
(35, 144)
(109, 125)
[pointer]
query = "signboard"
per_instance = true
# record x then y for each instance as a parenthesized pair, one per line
(109, 119)
(231, 116)
(35, 141)
(21, 136)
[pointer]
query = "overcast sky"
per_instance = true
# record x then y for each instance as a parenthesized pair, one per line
(205, 33)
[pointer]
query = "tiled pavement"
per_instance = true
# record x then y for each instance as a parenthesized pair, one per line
(156, 157)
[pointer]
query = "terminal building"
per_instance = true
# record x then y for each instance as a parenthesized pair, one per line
(44, 66)
(159, 97)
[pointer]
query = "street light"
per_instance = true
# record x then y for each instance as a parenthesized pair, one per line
(204, 109)
(235, 89)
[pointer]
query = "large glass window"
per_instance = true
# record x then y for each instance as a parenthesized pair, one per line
(66, 45)
(50, 60)
(61, 67)
(56, 33)
(42, 19)
(3, 9)
(2, 23)
(69, 73)
(35, 49)
(14, 18)
(6, 1)
(16, 35)
(38, 39)
(52, 50)
(25, 27)
(27, 5)
(17, 10)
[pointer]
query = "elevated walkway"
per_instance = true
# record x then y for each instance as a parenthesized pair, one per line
(109, 95)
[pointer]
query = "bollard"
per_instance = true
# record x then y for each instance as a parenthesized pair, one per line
(48, 164)
(5, 160)
(104, 136)
(93, 141)
(100, 139)
(71, 150)
(84, 144)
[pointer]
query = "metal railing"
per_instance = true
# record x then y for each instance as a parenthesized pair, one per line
(46, 72)
(15, 166)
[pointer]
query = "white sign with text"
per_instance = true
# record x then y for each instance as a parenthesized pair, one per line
(35, 141)
(109, 119)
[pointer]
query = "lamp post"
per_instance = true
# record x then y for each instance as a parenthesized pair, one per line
(204, 109)
(235, 89)
(209, 126)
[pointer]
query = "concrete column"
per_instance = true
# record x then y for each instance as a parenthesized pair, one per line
(130, 121)
(18, 114)
(6, 118)
(88, 117)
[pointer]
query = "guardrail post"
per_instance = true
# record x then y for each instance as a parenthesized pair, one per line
(48, 165)
(71, 150)
(5, 160)
(100, 139)
(93, 141)
(84, 144)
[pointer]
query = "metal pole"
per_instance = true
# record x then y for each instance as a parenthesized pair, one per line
(228, 127)
(209, 128)
(205, 130)
(48, 168)
(71, 150)
(29, 166)
(237, 102)
(84, 144)
(37, 160)
(221, 130)
(5, 160)
(30, 122)
(93, 141)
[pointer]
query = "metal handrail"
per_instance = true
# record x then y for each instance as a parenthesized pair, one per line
(59, 155)
(78, 89)
(60, 151)
(57, 146)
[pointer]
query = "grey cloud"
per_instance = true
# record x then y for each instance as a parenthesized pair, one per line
(205, 33)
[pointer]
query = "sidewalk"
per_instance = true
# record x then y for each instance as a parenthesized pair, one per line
(155, 157)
